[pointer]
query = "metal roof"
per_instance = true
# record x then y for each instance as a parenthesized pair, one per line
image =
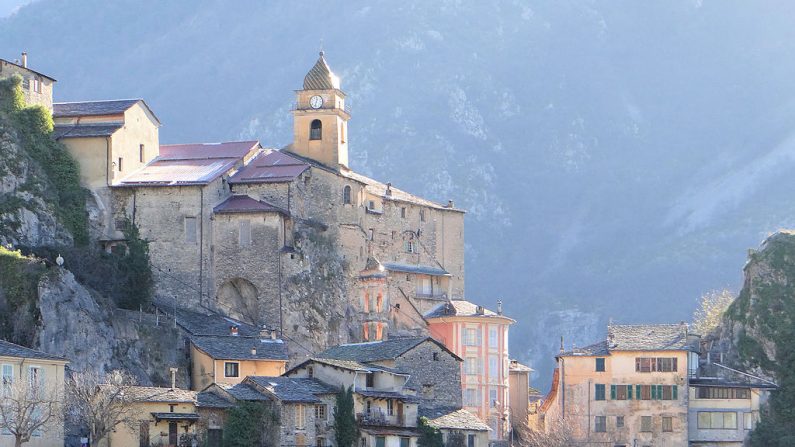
(85, 130)
(320, 76)
(241, 203)
(8, 349)
(270, 167)
(194, 151)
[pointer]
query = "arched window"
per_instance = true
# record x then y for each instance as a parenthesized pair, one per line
(316, 130)
(346, 195)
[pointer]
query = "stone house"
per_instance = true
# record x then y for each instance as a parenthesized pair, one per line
(110, 139)
(630, 389)
(480, 337)
(39, 369)
(36, 87)
(385, 409)
(433, 370)
(472, 432)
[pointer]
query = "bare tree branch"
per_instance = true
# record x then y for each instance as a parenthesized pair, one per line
(27, 408)
(100, 402)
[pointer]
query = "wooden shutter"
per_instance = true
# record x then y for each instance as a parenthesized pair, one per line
(612, 392)
(674, 391)
(653, 392)
(629, 392)
(637, 391)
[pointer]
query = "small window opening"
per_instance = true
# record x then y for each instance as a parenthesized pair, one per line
(346, 195)
(316, 130)
(141, 153)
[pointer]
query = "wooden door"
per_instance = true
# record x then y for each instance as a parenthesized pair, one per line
(172, 434)
(400, 413)
(143, 435)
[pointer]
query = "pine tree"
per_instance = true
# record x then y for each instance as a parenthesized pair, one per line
(346, 430)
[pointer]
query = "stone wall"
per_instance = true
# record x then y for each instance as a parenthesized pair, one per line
(435, 375)
(42, 97)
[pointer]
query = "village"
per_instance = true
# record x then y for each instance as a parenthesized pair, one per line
(336, 305)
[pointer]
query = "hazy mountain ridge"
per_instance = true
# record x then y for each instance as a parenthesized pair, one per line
(613, 156)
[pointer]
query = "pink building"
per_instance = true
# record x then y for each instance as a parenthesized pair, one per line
(480, 337)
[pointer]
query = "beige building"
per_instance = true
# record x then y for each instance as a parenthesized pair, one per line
(519, 392)
(38, 369)
(36, 87)
(628, 390)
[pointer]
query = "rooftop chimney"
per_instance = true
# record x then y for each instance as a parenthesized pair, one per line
(173, 378)
(273, 334)
(450, 204)
(253, 350)
(264, 332)
(561, 345)
(499, 307)
(389, 189)
(25, 59)
(233, 331)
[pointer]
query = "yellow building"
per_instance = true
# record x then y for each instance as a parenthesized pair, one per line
(628, 390)
(39, 369)
(230, 359)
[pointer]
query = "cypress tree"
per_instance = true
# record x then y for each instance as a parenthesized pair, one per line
(346, 430)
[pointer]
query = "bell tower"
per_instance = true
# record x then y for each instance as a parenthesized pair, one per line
(320, 119)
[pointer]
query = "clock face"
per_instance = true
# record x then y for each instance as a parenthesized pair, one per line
(316, 102)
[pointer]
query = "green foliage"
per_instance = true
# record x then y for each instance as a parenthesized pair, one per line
(767, 310)
(34, 127)
(346, 430)
(136, 282)
(429, 436)
(246, 425)
(19, 279)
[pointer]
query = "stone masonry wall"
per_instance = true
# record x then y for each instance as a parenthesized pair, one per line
(437, 382)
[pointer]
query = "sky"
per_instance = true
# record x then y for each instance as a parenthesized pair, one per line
(8, 7)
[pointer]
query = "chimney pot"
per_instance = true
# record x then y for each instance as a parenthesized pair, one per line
(499, 307)
(253, 350)
(450, 204)
(173, 377)
(25, 59)
(273, 334)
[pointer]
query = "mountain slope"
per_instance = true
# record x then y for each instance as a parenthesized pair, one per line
(612, 155)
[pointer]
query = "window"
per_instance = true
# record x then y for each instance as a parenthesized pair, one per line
(645, 423)
(346, 195)
(380, 441)
(231, 369)
(316, 130)
(121, 160)
(643, 392)
(600, 424)
(494, 368)
(300, 422)
(650, 364)
(371, 205)
(404, 441)
(141, 153)
(493, 398)
(310, 372)
(471, 365)
(667, 424)
(470, 397)
(320, 412)
(403, 212)
(493, 338)
(600, 364)
(422, 215)
(370, 380)
(717, 420)
(410, 247)
(436, 356)
(621, 392)
(244, 231)
(35, 377)
(7, 378)
(470, 440)
(471, 337)
(190, 229)
(390, 407)
(599, 391)
(342, 132)
(748, 421)
(619, 421)
(723, 393)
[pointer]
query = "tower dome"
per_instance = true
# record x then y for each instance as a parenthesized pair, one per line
(320, 77)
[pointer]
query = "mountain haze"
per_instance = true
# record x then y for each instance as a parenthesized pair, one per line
(616, 157)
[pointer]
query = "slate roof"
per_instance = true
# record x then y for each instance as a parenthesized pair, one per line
(85, 130)
(462, 308)
(157, 394)
(293, 389)
(197, 323)
(8, 349)
(94, 108)
(207, 399)
(638, 337)
(28, 68)
(320, 76)
(376, 350)
(344, 364)
(228, 347)
(270, 167)
(241, 203)
(190, 164)
(241, 391)
(453, 419)
(420, 269)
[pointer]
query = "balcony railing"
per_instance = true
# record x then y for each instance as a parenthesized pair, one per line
(379, 417)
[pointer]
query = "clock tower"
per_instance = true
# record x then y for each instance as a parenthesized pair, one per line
(320, 119)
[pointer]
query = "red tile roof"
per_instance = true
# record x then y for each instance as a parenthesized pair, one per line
(190, 164)
(241, 203)
(270, 167)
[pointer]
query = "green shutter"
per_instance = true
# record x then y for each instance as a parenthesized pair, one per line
(674, 392)
(629, 392)
(637, 391)
(613, 392)
(653, 392)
